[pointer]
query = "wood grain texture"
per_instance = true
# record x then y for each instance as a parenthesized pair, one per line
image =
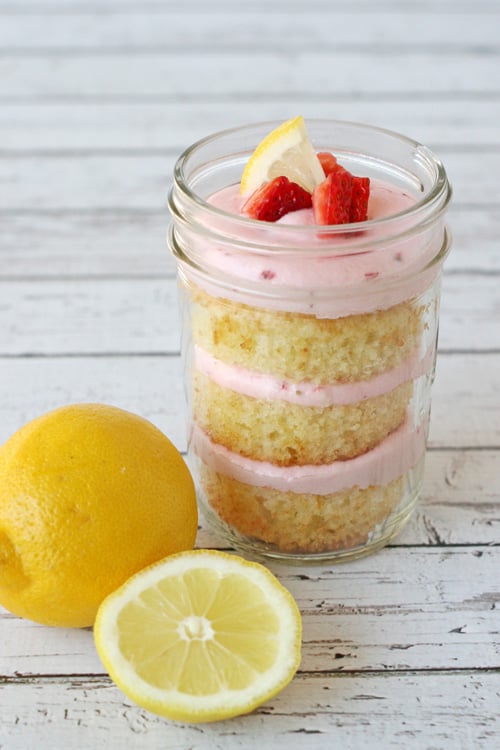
(430, 710)
(174, 74)
(136, 125)
(240, 27)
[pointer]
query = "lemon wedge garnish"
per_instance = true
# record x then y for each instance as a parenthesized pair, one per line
(286, 151)
(200, 636)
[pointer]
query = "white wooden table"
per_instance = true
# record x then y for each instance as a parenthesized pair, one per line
(97, 99)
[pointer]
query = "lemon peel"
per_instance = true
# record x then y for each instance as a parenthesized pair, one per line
(89, 495)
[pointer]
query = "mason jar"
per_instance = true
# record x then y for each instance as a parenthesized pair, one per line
(308, 350)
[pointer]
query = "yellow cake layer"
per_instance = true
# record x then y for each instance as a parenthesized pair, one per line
(303, 347)
(300, 523)
(290, 434)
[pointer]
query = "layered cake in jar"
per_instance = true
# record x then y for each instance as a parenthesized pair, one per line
(310, 290)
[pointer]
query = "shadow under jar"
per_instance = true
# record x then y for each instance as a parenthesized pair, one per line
(309, 351)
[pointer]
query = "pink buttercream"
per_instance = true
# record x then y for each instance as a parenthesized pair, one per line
(385, 200)
(264, 386)
(288, 266)
(390, 459)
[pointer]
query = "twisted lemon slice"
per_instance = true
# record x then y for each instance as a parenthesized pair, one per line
(285, 152)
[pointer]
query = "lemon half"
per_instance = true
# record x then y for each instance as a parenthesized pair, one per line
(201, 636)
(288, 152)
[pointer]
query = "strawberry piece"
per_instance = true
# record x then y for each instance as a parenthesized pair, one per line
(360, 187)
(329, 163)
(359, 200)
(331, 199)
(275, 199)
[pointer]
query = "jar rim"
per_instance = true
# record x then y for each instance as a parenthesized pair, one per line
(438, 197)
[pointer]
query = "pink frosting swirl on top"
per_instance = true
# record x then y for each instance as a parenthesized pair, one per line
(324, 276)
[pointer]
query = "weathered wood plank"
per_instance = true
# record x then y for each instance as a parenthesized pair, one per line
(130, 7)
(99, 315)
(376, 711)
(151, 386)
(89, 244)
(438, 611)
(138, 30)
(109, 316)
(102, 182)
(141, 181)
(80, 126)
(465, 410)
(171, 74)
(110, 243)
(460, 503)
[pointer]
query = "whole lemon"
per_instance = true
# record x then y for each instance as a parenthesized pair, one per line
(89, 495)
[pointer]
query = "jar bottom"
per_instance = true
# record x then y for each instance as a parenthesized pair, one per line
(343, 527)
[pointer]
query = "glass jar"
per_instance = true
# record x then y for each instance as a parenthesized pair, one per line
(309, 351)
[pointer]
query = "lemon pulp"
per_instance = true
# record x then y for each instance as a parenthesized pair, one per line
(201, 636)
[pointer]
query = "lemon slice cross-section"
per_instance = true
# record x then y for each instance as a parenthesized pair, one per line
(288, 152)
(200, 636)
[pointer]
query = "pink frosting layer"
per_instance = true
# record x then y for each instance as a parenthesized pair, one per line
(390, 459)
(321, 276)
(263, 386)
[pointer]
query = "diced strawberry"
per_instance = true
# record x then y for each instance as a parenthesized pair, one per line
(275, 199)
(329, 163)
(332, 198)
(359, 200)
